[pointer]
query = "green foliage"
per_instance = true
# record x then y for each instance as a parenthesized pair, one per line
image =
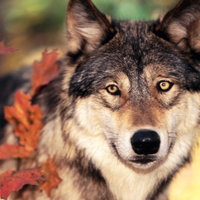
(21, 15)
(34, 24)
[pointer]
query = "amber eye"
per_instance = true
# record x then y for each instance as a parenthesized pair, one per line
(165, 86)
(113, 89)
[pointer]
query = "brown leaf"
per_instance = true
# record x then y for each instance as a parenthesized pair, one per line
(15, 180)
(44, 71)
(52, 179)
(6, 50)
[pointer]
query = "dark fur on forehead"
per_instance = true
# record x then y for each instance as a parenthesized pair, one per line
(130, 58)
(134, 46)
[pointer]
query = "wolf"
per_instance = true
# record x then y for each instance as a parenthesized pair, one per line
(124, 114)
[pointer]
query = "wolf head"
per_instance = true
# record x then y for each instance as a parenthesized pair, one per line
(136, 85)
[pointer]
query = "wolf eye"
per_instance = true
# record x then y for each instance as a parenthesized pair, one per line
(113, 89)
(165, 86)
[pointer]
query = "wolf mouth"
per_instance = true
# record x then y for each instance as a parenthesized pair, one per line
(143, 159)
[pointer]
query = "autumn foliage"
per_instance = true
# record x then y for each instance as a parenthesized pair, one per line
(15, 180)
(6, 50)
(27, 124)
(52, 178)
(27, 121)
(44, 71)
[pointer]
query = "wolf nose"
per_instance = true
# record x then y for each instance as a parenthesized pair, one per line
(145, 142)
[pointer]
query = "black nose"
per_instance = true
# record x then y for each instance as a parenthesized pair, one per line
(145, 142)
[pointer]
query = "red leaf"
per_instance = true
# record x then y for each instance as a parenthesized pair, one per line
(13, 151)
(6, 50)
(44, 71)
(52, 179)
(15, 180)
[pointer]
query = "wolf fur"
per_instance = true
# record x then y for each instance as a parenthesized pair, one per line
(110, 89)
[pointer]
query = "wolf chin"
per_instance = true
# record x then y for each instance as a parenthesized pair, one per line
(124, 114)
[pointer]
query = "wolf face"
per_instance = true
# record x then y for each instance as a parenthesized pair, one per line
(124, 114)
(142, 83)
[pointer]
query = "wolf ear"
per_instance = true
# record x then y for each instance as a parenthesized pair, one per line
(87, 27)
(182, 25)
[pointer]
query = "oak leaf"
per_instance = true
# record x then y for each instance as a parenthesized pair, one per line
(44, 71)
(13, 151)
(19, 112)
(27, 119)
(6, 50)
(15, 180)
(29, 136)
(52, 179)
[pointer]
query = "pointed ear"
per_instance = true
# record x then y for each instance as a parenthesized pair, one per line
(182, 25)
(87, 27)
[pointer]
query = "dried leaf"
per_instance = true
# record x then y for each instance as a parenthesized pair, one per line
(52, 179)
(19, 112)
(13, 151)
(6, 50)
(27, 119)
(15, 180)
(28, 137)
(44, 71)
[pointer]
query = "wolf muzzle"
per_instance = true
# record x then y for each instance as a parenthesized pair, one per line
(145, 142)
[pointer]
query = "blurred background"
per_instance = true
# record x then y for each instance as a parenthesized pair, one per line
(34, 25)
